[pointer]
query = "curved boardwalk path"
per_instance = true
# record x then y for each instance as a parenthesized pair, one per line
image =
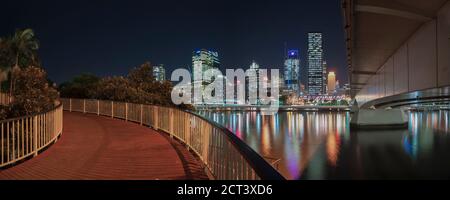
(93, 147)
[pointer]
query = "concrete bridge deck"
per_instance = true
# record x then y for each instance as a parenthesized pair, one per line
(96, 147)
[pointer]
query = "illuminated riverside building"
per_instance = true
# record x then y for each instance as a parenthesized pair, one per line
(202, 60)
(325, 80)
(253, 82)
(159, 73)
(315, 64)
(331, 83)
(292, 72)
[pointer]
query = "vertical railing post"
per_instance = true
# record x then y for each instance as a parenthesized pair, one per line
(187, 132)
(112, 109)
(155, 116)
(35, 133)
(98, 107)
(142, 108)
(126, 111)
(84, 105)
(171, 122)
(55, 125)
(70, 105)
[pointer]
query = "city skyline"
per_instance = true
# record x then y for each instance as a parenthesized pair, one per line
(166, 37)
(270, 90)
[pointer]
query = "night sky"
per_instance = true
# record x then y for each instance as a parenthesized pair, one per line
(111, 37)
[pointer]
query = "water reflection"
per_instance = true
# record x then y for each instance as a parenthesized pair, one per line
(319, 145)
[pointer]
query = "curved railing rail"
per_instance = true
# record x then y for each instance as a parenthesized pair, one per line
(23, 137)
(224, 155)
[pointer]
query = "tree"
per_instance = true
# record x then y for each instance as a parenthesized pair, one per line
(19, 50)
(24, 46)
(142, 78)
(81, 86)
(165, 89)
(6, 62)
(138, 86)
(115, 88)
(33, 94)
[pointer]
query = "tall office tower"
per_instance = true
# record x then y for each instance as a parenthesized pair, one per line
(325, 82)
(331, 83)
(315, 64)
(253, 83)
(202, 60)
(292, 72)
(159, 73)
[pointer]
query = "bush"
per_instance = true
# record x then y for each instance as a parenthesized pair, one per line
(32, 93)
(138, 86)
(80, 87)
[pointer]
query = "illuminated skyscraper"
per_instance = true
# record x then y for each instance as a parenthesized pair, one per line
(325, 82)
(315, 64)
(331, 83)
(202, 60)
(292, 72)
(253, 82)
(159, 73)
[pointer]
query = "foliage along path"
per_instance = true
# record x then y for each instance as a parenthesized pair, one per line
(93, 147)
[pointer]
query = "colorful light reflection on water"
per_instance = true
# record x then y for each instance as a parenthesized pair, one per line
(320, 145)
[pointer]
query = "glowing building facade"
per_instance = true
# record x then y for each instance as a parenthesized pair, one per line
(315, 64)
(159, 73)
(202, 61)
(292, 73)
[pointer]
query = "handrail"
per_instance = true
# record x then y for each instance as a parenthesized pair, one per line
(26, 136)
(5, 99)
(224, 155)
(259, 164)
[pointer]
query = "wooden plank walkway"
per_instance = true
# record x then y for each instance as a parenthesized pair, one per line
(93, 147)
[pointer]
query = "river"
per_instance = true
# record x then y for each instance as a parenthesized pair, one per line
(320, 145)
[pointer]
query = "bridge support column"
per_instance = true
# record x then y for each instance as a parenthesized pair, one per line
(84, 105)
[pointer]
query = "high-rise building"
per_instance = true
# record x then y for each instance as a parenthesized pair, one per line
(292, 72)
(315, 64)
(325, 82)
(253, 82)
(331, 83)
(202, 60)
(159, 73)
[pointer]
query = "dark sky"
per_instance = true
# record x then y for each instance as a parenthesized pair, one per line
(111, 37)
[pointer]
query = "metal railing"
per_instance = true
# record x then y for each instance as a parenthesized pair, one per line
(224, 155)
(5, 99)
(26, 136)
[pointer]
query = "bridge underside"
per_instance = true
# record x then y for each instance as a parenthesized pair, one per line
(437, 96)
(397, 47)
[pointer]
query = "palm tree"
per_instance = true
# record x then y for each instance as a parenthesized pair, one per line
(5, 61)
(22, 44)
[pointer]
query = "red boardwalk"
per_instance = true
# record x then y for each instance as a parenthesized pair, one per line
(93, 147)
